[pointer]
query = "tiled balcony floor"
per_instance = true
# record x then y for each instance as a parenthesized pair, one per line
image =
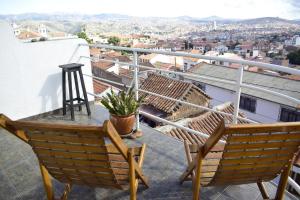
(20, 177)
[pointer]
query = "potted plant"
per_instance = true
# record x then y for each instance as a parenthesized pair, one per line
(122, 108)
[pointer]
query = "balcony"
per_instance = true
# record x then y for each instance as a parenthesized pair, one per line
(164, 162)
(40, 99)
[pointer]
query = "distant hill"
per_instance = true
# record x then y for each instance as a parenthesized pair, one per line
(62, 17)
(267, 20)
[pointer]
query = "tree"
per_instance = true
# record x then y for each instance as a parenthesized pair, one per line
(294, 57)
(114, 40)
(83, 35)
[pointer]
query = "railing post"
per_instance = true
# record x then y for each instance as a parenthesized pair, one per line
(136, 86)
(239, 81)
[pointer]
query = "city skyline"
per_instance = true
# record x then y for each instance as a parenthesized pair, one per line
(289, 9)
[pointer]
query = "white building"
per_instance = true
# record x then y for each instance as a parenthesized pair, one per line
(32, 70)
(257, 105)
(42, 30)
(16, 29)
(221, 48)
(294, 41)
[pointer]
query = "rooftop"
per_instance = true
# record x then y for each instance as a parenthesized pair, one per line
(20, 177)
(205, 123)
(275, 83)
(161, 85)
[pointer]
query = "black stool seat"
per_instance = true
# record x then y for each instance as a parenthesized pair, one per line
(69, 69)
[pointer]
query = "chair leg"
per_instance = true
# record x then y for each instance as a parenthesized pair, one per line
(47, 182)
(66, 192)
(132, 177)
(77, 90)
(283, 182)
(263, 191)
(64, 92)
(84, 93)
(71, 96)
(197, 177)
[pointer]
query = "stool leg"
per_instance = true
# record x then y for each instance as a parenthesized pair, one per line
(64, 91)
(77, 89)
(71, 95)
(84, 92)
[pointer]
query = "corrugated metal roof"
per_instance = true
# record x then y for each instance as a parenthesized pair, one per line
(275, 83)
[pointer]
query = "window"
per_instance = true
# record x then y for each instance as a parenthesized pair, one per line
(289, 115)
(248, 103)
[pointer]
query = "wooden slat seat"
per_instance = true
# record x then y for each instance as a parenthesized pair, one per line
(253, 153)
(95, 156)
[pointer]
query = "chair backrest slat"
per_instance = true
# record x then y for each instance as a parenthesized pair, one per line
(255, 152)
(85, 155)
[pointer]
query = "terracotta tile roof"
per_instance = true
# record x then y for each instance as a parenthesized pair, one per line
(206, 123)
(161, 65)
(99, 86)
(168, 87)
(28, 35)
(125, 72)
(102, 65)
(95, 51)
(122, 58)
(147, 64)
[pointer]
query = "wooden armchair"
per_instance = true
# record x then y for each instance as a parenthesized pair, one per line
(85, 155)
(252, 154)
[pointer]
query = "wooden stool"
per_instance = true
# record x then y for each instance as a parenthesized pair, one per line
(69, 68)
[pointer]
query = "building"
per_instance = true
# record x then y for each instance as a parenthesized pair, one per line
(204, 123)
(294, 41)
(257, 105)
(189, 62)
(42, 30)
(168, 109)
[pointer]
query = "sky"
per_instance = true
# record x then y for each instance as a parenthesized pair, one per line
(238, 9)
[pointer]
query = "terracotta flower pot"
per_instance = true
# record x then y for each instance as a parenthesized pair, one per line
(123, 124)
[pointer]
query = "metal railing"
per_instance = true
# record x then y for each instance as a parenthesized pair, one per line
(238, 83)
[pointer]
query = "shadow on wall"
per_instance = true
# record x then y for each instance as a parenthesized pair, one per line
(50, 92)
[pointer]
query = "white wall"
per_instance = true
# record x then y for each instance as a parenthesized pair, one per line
(219, 95)
(30, 80)
(266, 111)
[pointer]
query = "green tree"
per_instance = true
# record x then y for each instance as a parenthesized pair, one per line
(114, 40)
(83, 35)
(294, 57)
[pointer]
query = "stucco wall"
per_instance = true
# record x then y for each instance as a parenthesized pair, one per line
(30, 80)
(266, 111)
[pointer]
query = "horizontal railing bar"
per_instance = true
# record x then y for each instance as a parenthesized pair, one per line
(92, 94)
(194, 105)
(294, 184)
(250, 86)
(211, 79)
(176, 125)
(242, 62)
(167, 71)
(168, 122)
(245, 85)
(190, 75)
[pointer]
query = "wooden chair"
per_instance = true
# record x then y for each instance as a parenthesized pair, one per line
(252, 154)
(85, 155)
